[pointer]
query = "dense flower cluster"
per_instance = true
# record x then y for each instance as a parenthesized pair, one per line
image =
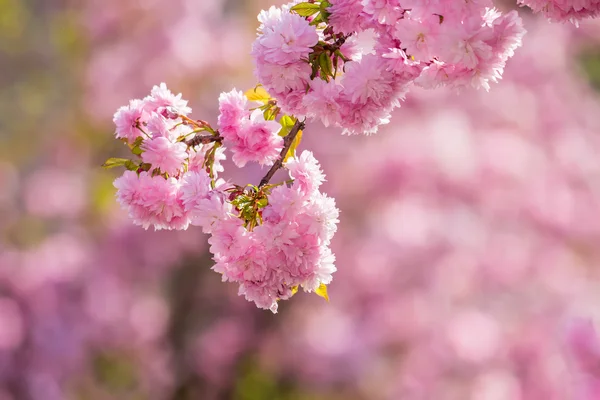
(564, 10)
(248, 135)
(314, 66)
(313, 60)
(271, 239)
(289, 249)
(469, 239)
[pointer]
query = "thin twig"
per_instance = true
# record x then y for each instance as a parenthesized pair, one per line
(203, 139)
(287, 143)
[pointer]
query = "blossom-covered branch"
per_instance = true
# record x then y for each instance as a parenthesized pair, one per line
(270, 239)
(287, 143)
(311, 64)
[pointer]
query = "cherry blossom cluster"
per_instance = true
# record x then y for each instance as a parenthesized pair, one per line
(272, 239)
(347, 63)
(312, 56)
(564, 10)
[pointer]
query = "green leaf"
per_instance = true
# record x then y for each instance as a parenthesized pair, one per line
(325, 64)
(132, 166)
(121, 162)
(306, 9)
(325, 5)
(137, 150)
(262, 203)
(116, 162)
(292, 151)
(287, 123)
(322, 291)
(317, 20)
(271, 113)
(138, 142)
(258, 94)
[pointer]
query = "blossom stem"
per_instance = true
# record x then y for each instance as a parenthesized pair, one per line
(203, 139)
(287, 143)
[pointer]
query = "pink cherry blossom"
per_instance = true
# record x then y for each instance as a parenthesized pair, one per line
(285, 37)
(324, 102)
(306, 172)
(161, 99)
(256, 139)
(564, 10)
(162, 153)
(151, 200)
(348, 16)
(128, 119)
(233, 108)
(195, 186)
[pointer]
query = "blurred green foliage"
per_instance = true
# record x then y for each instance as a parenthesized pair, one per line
(589, 61)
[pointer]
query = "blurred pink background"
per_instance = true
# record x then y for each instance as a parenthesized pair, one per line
(468, 249)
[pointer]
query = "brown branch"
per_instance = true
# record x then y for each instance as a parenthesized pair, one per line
(287, 143)
(203, 139)
(198, 122)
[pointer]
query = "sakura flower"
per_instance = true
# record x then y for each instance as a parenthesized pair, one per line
(306, 172)
(128, 120)
(195, 186)
(285, 38)
(564, 10)
(151, 200)
(323, 101)
(284, 77)
(256, 140)
(233, 107)
(419, 37)
(348, 16)
(163, 101)
(384, 11)
(367, 79)
(164, 154)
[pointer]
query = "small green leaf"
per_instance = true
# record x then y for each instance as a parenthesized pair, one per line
(132, 166)
(322, 291)
(292, 151)
(138, 142)
(324, 5)
(317, 20)
(325, 64)
(262, 203)
(115, 162)
(121, 162)
(306, 9)
(287, 123)
(137, 150)
(271, 113)
(258, 94)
